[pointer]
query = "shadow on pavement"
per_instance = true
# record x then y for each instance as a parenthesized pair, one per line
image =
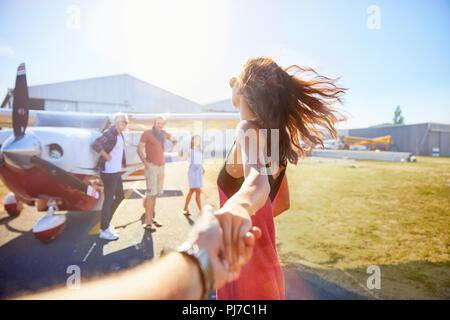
(27, 265)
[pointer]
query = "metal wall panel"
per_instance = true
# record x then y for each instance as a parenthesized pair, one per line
(51, 105)
(111, 94)
(418, 138)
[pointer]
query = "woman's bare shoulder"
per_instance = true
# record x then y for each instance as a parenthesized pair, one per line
(250, 137)
(246, 128)
(245, 125)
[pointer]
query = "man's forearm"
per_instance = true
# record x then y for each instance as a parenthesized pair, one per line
(104, 155)
(141, 155)
(174, 276)
(186, 282)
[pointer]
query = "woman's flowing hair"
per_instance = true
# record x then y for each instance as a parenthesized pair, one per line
(284, 99)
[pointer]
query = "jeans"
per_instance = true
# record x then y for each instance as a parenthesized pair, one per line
(113, 192)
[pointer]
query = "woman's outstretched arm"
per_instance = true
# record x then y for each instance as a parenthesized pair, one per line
(182, 155)
(234, 216)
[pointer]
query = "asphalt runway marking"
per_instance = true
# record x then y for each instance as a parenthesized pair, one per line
(139, 193)
(89, 252)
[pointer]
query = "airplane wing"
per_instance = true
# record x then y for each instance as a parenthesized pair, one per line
(6, 118)
(205, 121)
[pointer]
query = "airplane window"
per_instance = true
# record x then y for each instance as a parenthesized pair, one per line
(55, 151)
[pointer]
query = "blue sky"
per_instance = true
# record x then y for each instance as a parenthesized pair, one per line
(193, 47)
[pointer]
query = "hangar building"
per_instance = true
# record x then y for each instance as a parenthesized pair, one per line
(106, 94)
(419, 139)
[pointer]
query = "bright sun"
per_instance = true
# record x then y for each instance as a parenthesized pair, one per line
(146, 38)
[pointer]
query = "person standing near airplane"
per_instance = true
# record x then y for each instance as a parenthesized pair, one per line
(110, 146)
(153, 142)
(195, 172)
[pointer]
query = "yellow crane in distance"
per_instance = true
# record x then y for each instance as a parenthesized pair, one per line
(357, 141)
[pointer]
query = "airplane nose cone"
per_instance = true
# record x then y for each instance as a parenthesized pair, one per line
(17, 151)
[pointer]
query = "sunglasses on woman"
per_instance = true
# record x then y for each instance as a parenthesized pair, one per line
(233, 82)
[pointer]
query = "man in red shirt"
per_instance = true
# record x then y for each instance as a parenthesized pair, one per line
(153, 141)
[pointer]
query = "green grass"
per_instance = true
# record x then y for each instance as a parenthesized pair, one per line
(370, 213)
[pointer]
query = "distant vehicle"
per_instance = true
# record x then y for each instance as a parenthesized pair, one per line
(302, 144)
(359, 148)
(332, 144)
(372, 142)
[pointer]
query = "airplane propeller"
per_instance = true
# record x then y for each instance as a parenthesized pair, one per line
(20, 103)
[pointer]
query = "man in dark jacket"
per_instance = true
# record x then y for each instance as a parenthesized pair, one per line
(111, 148)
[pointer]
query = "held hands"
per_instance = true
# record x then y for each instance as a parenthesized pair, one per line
(208, 235)
(235, 223)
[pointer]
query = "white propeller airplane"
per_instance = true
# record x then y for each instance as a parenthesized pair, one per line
(50, 165)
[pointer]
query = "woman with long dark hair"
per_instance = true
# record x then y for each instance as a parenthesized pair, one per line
(269, 99)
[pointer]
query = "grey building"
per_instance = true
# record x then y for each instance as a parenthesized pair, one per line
(220, 106)
(106, 94)
(419, 139)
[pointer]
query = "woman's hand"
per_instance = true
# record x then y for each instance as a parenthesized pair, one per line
(208, 235)
(235, 222)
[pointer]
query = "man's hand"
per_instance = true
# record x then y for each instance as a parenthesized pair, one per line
(174, 144)
(140, 152)
(105, 156)
(147, 165)
(208, 235)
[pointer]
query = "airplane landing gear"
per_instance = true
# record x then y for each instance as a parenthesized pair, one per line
(50, 225)
(12, 205)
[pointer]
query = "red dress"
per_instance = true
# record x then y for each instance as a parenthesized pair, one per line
(262, 277)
